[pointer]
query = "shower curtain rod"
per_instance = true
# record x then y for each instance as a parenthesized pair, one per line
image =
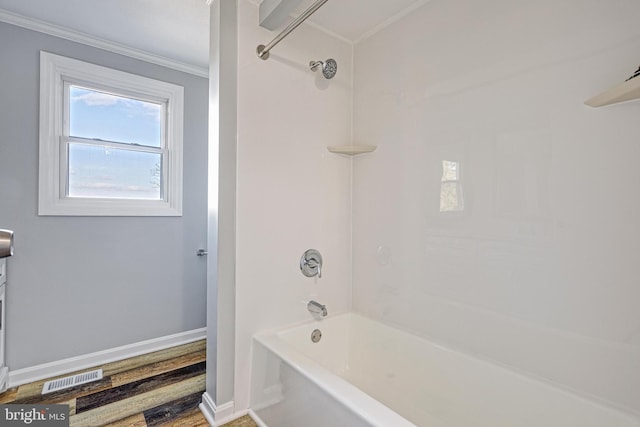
(263, 51)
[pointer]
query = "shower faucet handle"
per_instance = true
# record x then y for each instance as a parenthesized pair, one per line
(311, 263)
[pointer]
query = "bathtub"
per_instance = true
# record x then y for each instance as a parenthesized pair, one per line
(364, 373)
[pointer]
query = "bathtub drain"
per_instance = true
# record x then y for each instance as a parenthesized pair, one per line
(316, 335)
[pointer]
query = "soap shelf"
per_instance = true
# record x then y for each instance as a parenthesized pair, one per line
(351, 150)
(625, 91)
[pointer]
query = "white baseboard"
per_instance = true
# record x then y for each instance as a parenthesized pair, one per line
(208, 409)
(256, 419)
(3, 378)
(65, 366)
(218, 415)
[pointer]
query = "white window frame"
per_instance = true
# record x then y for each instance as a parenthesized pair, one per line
(56, 72)
(459, 190)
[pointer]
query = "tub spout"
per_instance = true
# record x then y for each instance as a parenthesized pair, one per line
(317, 308)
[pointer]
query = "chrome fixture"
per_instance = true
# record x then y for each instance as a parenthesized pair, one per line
(202, 252)
(317, 308)
(6, 243)
(311, 263)
(316, 335)
(329, 67)
(263, 51)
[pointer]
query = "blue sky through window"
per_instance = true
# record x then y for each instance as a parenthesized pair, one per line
(96, 171)
(109, 117)
(106, 171)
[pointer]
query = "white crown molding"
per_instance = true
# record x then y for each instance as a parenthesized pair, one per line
(329, 32)
(392, 19)
(86, 39)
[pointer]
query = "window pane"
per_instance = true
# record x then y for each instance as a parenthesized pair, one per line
(106, 172)
(100, 115)
(451, 199)
(450, 171)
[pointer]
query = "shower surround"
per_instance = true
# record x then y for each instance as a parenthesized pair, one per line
(497, 216)
(292, 194)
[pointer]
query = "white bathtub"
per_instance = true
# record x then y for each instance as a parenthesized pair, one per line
(364, 373)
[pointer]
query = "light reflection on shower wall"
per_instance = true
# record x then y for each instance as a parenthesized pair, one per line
(451, 191)
(496, 215)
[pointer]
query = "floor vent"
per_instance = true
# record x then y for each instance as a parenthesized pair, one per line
(72, 381)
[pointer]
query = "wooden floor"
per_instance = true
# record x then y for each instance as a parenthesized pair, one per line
(163, 388)
(245, 421)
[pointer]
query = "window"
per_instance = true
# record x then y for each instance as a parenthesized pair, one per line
(110, 141)
(451, 197)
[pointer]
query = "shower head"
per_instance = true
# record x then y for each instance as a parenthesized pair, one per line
(329, 67)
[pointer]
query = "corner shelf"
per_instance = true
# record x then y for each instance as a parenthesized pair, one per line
(351, 150)
(625, 91)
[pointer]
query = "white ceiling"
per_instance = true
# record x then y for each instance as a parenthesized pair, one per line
(356, 19)
(173, 29)
(179, 29)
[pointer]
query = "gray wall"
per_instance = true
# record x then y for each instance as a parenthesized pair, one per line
(83, 284)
